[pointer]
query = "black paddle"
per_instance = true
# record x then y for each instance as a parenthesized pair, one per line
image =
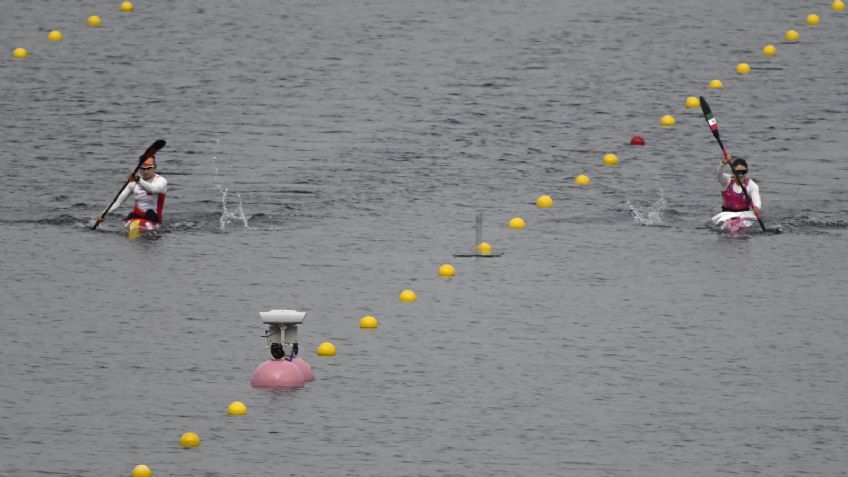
(711, 121)
(150, 152)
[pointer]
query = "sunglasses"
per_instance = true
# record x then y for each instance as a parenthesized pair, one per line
(741, 172)
(146, 168)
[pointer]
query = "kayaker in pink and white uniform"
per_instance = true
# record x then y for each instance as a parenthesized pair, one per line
(732, 197)
(736, 214)
(149, 191)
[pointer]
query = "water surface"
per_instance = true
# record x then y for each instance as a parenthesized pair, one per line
(326, 156)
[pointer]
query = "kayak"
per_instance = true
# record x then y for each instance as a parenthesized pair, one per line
(735, 223)
(136, 228)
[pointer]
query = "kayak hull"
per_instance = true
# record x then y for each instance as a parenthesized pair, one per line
(137, 228)
(735, 223)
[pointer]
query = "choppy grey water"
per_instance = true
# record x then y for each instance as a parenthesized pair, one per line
(325, 156)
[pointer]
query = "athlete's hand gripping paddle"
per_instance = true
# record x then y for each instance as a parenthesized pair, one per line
(711, 121)
(150, 152)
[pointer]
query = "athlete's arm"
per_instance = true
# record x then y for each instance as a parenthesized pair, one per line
(754, 192)
(121, 198)
(723, 178)
(156, 186)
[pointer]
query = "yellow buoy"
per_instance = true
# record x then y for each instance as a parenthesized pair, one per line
(407, 296)
(447, 270)
(237, 408)
(716, 84)
(516, 223)
(326, 349)
(743, 68)
(610, 160)
(126, 6)
(582, 179)
(94, 21)
(20, 53)
(142, 470)
(667, 121)
(544, 202)
(791, 35)
(769, 50)
(838, 6)
(483, 248)
(189, 439)
(368, 322)
(693, 102)
(55, 35)
(813, 19)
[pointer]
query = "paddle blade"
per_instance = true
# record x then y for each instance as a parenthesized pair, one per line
(152, 150)
(708, 115)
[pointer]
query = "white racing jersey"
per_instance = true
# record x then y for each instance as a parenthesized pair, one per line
(149, 195)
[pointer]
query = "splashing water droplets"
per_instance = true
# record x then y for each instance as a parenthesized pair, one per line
(229, 217)
(651, 215)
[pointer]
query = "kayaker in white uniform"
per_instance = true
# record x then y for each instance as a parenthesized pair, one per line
(734, 204)
(149, 191)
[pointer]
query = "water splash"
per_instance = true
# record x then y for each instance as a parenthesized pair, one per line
(228, 217)
(651, 215)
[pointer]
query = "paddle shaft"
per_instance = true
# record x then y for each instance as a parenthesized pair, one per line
(713, 124)
(150, 152)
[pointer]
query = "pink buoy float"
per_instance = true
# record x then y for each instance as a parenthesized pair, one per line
(304, 368)
(277, 374)
(285, 370)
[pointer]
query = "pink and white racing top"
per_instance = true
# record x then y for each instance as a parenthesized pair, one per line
(729, 187)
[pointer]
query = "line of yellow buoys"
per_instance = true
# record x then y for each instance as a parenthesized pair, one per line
(610, 160)
(56, 36)
(447, 270)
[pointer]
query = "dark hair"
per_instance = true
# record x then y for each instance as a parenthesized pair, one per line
(739, 161)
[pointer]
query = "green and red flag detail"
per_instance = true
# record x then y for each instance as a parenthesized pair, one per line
(711, 122)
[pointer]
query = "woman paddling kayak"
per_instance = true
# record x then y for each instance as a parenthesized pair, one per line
(149, 192)
(737, 213)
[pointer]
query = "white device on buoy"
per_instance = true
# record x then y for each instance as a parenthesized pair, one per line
(282, 331)
(478, 240)
(285, 370)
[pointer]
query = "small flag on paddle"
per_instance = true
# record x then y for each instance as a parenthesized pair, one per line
(712, 122)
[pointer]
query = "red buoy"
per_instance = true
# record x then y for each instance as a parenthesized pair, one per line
(637, 141)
